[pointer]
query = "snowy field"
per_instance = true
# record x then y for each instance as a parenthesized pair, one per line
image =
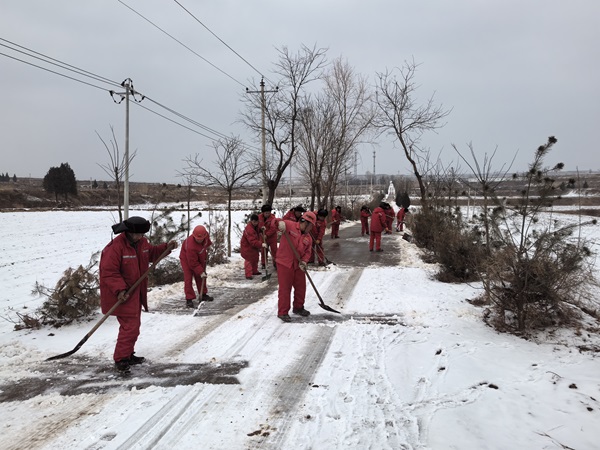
(409, 365)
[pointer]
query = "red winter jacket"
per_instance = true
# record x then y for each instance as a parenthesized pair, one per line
(378, 220)
(251, 241)
(270, 227)
(318, 231)
(194, 255)
(364, 214)
(336, 217)
(302, 243)
(121, 265)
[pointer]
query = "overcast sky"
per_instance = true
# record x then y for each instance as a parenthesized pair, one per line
(513, 73)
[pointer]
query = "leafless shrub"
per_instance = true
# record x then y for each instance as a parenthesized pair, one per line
(535, 271)
(75, 296)
(217, 229)
(169, 271)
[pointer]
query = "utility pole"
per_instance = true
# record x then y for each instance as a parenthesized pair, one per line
(262, 92)
(373, 178)
(128, 85)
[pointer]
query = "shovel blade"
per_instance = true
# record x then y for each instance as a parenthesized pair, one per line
(266, 277)
(328, 308)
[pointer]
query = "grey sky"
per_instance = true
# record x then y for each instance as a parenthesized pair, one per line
(513, 72)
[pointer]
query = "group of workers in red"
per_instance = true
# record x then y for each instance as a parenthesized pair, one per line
(127, 257)
(382, 220)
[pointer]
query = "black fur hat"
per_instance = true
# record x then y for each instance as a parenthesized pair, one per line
(265, 208)
(134, 224)
(300, 208)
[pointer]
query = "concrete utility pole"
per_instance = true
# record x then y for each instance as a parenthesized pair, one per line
(373, 179)
(262, 92)
(128, 85)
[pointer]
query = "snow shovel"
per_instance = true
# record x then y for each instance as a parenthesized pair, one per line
(321, 302)
(266, 255)
(110, 311)
(197, 310)
(327, 260)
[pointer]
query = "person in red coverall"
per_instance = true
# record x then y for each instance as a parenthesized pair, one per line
(123, 261)
(336, 218)
(250, 247)
(400, 218)
(390, 215)
(317, 234)
(378, 225)
(266, 223)
(294, 213)
(365, 213)
(193, 263)
(290, 270)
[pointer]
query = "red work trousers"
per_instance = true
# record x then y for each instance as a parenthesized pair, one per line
(335, 230)
(288, 279)
(189, 277)
(365, 226)
(272, 247)
(251, 264)
(318, 249)
(129, 330)
(375, 238)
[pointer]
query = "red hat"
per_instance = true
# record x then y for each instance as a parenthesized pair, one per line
(200, 233)
(309, 216)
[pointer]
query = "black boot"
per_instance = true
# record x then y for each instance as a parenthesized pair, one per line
(133, 360)
(123, 365)
(189, 303)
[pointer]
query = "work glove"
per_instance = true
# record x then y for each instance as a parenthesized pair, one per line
(317, 242)
(122, 296)
(203, 275)
(264, 245)
(263, 229)
(281, 226)
(303, 266)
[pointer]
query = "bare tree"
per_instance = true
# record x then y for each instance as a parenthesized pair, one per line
(332, 124)
(401, 115)
(233, 170)
(283, 107)
(115, 168)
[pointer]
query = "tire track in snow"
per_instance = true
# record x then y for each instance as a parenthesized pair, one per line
(271, 397)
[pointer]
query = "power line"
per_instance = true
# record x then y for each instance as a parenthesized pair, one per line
(52, 71)
(83, 72)
(61, 64)
(182, 44)
(221, 40)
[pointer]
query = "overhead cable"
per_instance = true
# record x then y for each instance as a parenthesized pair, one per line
(182, 44)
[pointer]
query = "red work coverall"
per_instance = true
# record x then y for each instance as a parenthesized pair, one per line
(193, 262)
(389, 216)
(400, 217)
(364, 220)
(288, 269)
(335, 223)
(250, 246)
(121, 265)
(271, 234)
(378, 224)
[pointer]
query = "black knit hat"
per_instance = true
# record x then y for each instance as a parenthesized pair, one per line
(254, 217)
(265, 208)
(299, 208)
(322, 213)
(134, 224)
